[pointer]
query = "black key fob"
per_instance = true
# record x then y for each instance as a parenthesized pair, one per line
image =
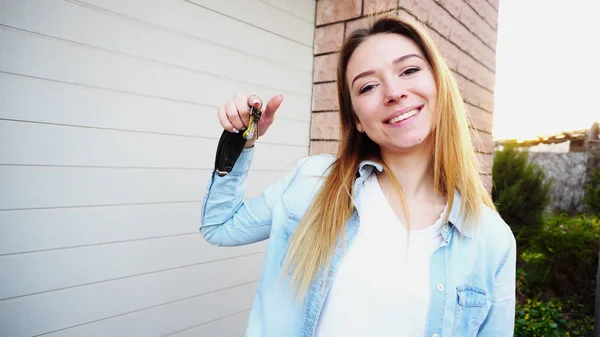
(231, 145)
(229, 149)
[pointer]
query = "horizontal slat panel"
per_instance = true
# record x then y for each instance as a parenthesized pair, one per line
(33, 315)
(262, 15)
(65, 268)
(43, 144)
(189, 19)
(33, 230)
(232, 326)
(84, 106)
(304, 9)
(166, 319)
(37, 56)
(44, 187)
(73, 22)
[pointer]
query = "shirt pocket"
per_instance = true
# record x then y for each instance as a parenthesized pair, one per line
(471, 303)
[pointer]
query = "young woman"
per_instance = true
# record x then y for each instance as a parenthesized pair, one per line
(394, 236)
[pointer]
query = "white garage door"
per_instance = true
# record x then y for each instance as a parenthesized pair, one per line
(107, 137)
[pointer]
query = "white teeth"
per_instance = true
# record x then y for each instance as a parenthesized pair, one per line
(403, 116)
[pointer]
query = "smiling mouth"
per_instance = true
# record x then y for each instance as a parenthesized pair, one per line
(404, 116)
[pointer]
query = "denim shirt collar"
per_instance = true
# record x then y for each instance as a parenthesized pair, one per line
(456, 217)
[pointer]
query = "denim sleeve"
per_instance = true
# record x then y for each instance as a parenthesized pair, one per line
(501, 318)
(229, 221)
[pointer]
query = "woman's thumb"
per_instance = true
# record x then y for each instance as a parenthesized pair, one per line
(272, 106)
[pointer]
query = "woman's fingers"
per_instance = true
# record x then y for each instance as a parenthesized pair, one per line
(235, 114)
(225, 123)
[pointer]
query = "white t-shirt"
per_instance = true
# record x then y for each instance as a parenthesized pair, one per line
(381, 287)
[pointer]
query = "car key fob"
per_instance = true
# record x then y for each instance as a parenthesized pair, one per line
(231, 144)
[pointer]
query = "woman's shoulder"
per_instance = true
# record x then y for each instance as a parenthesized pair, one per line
(494, 233)
(314, 165)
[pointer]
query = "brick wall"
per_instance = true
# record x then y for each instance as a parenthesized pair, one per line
(465, 31)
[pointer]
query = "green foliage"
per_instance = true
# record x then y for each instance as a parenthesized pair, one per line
(562, 258)
(579, 320)
(520, 191)
(592, 193)
(538, 318)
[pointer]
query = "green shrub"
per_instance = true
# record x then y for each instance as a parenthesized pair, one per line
(519, 190)
(592, 193)
(562, 257)
(579, 320)
(535, 318)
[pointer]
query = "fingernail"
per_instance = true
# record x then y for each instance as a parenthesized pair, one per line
(236, 130)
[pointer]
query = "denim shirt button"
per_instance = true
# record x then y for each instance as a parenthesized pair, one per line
(445, 228)
(435, 335)
(440, 287)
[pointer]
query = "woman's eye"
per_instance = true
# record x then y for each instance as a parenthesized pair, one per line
(367, 88)
(410, 71)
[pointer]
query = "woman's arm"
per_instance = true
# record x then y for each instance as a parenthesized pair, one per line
(229, 221)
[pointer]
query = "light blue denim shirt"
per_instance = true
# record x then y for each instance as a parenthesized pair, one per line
(472, 271)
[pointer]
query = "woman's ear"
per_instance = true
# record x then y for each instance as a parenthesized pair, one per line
(358, 123)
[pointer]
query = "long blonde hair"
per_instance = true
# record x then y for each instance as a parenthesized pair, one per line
(455, 167)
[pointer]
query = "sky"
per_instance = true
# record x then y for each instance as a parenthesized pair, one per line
(547, 67)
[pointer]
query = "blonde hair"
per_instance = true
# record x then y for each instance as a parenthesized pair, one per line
(455, 167)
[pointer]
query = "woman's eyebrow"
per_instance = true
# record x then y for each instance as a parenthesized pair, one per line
(371, 72)
(407, 56)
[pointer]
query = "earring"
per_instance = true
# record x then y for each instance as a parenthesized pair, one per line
(359, 129)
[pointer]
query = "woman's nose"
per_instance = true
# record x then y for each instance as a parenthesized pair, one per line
(393, 93)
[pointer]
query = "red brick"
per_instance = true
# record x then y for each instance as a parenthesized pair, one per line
(482, 141)
(364, 22)
(468, 42)
(480, 119)
(448, 50)
(453, 6)
(325, 97)
(487, 182)
(377, 6)
(317, 147)
(474, 94)
(488, 57)
(485, 162)
(419, 9)
(485, 9)
(494, 3)
(329, 11)
(325, 125)
(325, 68)
(476, 24)
(329, 38)
(475, 71)
(439, 19)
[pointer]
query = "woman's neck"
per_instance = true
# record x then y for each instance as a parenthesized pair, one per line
(414, 170)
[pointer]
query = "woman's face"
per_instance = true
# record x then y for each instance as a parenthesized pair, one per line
(393, 92)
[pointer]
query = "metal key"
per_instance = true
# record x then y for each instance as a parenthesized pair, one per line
(252, 129)
(232, 144)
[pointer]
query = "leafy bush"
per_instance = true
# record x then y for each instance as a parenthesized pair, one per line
(562, 258)
(519, 190)
(592, 193)
(579, 320)
(537, 318)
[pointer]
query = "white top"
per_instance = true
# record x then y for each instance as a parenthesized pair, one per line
(382, 285)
